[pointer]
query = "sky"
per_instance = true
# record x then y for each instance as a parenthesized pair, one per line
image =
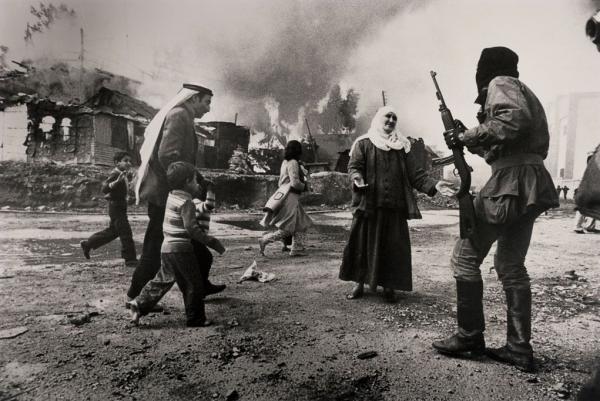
(287, 53)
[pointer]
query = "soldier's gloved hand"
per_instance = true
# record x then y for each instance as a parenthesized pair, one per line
(452, 138)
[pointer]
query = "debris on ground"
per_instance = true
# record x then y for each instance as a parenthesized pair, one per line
(252, 273)
(82, 318)
(12, 333)
(232, 395)
(367, 355)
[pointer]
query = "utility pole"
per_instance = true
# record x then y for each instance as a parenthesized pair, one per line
(235, 119)
(81, 94)
(313, 143)
(383, 97)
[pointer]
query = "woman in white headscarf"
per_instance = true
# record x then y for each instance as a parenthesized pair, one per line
(383, 173)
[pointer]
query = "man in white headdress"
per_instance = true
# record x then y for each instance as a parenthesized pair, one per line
(170, 137)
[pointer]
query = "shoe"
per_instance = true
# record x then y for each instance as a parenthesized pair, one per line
(578, 231)
(297, 253)
(214, 288)
(389, 295)
(357, 292)
(155, 309)
(461, 346)
(85, 248)
(262, 244)
(199, 323)
(592, 231)
(523, 362)
(135, 312)
(131, 263)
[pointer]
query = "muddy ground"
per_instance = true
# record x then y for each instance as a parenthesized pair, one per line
(296, 338)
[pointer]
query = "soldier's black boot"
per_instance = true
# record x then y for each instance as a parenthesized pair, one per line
(517, 351)
(469, 341)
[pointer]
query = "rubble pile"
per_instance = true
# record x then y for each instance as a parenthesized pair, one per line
(25, 185)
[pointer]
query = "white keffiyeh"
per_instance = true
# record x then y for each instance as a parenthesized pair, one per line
(151, 135)
(381, 139)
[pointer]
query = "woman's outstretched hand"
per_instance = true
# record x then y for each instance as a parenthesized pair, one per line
(446, 188)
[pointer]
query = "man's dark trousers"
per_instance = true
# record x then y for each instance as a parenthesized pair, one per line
(119, 228)
(150, 259)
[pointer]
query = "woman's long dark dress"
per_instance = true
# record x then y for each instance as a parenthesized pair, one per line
(378, 251)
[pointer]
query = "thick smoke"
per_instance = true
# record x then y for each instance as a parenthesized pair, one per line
(308, 50)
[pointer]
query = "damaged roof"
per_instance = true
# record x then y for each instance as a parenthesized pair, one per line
(105, 101)
(120, 104)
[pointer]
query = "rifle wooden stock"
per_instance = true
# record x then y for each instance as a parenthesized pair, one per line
(467, 219)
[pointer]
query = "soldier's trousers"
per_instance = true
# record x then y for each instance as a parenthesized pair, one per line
(509, 262)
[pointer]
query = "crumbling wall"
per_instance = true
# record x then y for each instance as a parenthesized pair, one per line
(78, 186)
(76, 148)
(50, 184)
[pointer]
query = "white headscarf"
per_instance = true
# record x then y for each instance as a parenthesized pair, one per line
(381, 139)
(151, 135)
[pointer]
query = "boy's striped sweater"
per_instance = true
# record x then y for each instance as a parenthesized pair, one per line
(180, 224)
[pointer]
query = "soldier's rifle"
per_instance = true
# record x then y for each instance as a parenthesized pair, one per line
(468, 222)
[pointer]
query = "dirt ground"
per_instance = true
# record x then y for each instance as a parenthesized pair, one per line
(295, 338)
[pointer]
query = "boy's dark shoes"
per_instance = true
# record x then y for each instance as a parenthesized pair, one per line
(156, 309)
(131, 263)
(85, 248)
(198, 323)
(214, 288)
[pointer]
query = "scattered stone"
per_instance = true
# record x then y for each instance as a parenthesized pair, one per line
(561, 390)
(571, 275)
(534, 379)
(5, 208)
(82, 318)
(233, 323)
(28, 209)
(232, 395)
(12, 333)
(42, 208)
(367, 355)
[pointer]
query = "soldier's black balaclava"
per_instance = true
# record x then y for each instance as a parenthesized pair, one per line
(494, 62)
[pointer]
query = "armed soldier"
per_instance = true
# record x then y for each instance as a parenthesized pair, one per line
(513, 138)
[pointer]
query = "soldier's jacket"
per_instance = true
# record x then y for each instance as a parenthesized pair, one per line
(513, 138)
(587, 197)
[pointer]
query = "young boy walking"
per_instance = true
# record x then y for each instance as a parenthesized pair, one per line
(115, 188)
(178, 260)
(204, 209)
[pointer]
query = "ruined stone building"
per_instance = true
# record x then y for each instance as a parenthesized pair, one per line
(574, 123)
(34, 129)
(216, 142)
